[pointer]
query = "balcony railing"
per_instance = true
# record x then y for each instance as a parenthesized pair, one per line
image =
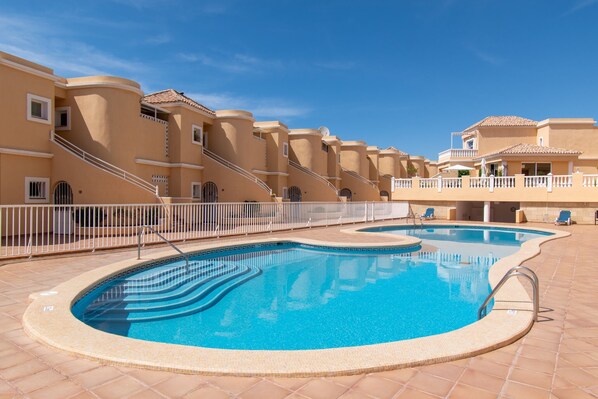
(577, 187)
(456, 153)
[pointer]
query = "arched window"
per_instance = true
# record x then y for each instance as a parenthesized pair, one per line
(384, 193)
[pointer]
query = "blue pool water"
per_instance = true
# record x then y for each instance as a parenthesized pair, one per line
(290, 296)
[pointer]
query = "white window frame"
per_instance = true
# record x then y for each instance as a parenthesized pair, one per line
(57, 111)
(196, 184)
(46, 106)
(200, 128)
(285, 193)
(46, 182)
(541, 141)
(285, 150)
(472, 141)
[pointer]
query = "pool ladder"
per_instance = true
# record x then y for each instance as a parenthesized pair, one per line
(515, 272)
(146, 227)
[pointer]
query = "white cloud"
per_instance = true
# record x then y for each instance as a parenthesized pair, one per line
(580, 5)
(260, 107)
(159, 39)
(233, 63)
(57, 48)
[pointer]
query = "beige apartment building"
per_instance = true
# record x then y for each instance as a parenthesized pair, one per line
(101, 140)
(520, 170)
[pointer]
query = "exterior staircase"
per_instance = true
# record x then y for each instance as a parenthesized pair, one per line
(103, 165)
(314, 175)
(239, 170)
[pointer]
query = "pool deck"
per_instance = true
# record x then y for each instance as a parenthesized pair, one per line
(557, 359)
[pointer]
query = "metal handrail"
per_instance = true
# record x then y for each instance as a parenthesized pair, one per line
(359, 177)
(246, 174)
(142, 231)
(313, 174)
(101, 164)
(514, 272)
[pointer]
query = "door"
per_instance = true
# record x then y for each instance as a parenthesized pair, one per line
(63, 220)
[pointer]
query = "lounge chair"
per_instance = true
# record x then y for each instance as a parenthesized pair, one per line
(428, 215)
(564, 218)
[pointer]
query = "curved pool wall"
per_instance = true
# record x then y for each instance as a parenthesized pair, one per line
(50, 320)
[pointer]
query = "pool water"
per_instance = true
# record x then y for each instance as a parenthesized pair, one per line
(289, 296)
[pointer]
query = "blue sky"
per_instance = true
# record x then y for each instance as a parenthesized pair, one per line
(404, 73)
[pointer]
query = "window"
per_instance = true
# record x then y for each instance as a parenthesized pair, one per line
(469, 144)
(536, 168)
(541, 141)
(285, 149)
(285, 193)
(325, 147)
(197, 135)
(62, 118)
(38, 108)
(196, 190)
(37, 190)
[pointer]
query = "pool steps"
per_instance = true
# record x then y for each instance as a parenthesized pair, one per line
(185, 298)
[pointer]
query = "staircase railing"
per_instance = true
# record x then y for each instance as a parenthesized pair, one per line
(360, 178)
(313, 174)
(246, 174)
(101, 164)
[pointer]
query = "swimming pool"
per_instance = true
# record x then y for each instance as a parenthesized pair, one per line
(289, 296)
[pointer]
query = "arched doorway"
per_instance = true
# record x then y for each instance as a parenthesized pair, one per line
(209, 192)
(63, 194)
(384, 193)
(62, 220)
(345, 192)
(295, 194)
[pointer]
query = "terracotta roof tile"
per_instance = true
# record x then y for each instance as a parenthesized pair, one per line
(503, 121)
(173, 96)
(530, 149)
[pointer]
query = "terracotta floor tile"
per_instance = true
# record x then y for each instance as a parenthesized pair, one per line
(63, 389)
(42, 379)
(119, 388)
(430, 384)
(179, 385)
(489, 367)
(515, 390)
(536, 365)
(572, 394)
(234, 385)
(482, 380)
(401, 375)
(540, 380)
(23, 369)
(444, 370)
(97, 376)
(378, 387)
(462, 391)
(322, 389)
(578, 377)
(292, 384)
(146, 394)
(415, 394)
(150, 377)
(353, 394)
(265, 389)
(76, 366)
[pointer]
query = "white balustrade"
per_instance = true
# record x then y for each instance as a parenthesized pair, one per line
(562, 181)
(504, 182)
(452, 182)
(590, 180)
(428, 183)
(479, 182)
(403, 183)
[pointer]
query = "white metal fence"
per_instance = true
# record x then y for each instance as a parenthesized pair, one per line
(29, 230)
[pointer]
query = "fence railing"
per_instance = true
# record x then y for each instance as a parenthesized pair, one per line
(29, 230)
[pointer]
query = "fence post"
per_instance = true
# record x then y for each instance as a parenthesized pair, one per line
(549, 183)
(491, 185)
(392, 184)
(439, 184)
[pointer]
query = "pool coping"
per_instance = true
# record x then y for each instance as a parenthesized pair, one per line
(49, 320)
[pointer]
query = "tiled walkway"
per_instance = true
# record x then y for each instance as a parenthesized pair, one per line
(557, 359)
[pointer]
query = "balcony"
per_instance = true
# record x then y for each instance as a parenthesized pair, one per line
(578, 187)
(456, 154)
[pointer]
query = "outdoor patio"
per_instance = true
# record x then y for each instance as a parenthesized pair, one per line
(557, 359)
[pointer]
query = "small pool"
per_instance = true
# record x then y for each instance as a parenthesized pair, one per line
(288, 296)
